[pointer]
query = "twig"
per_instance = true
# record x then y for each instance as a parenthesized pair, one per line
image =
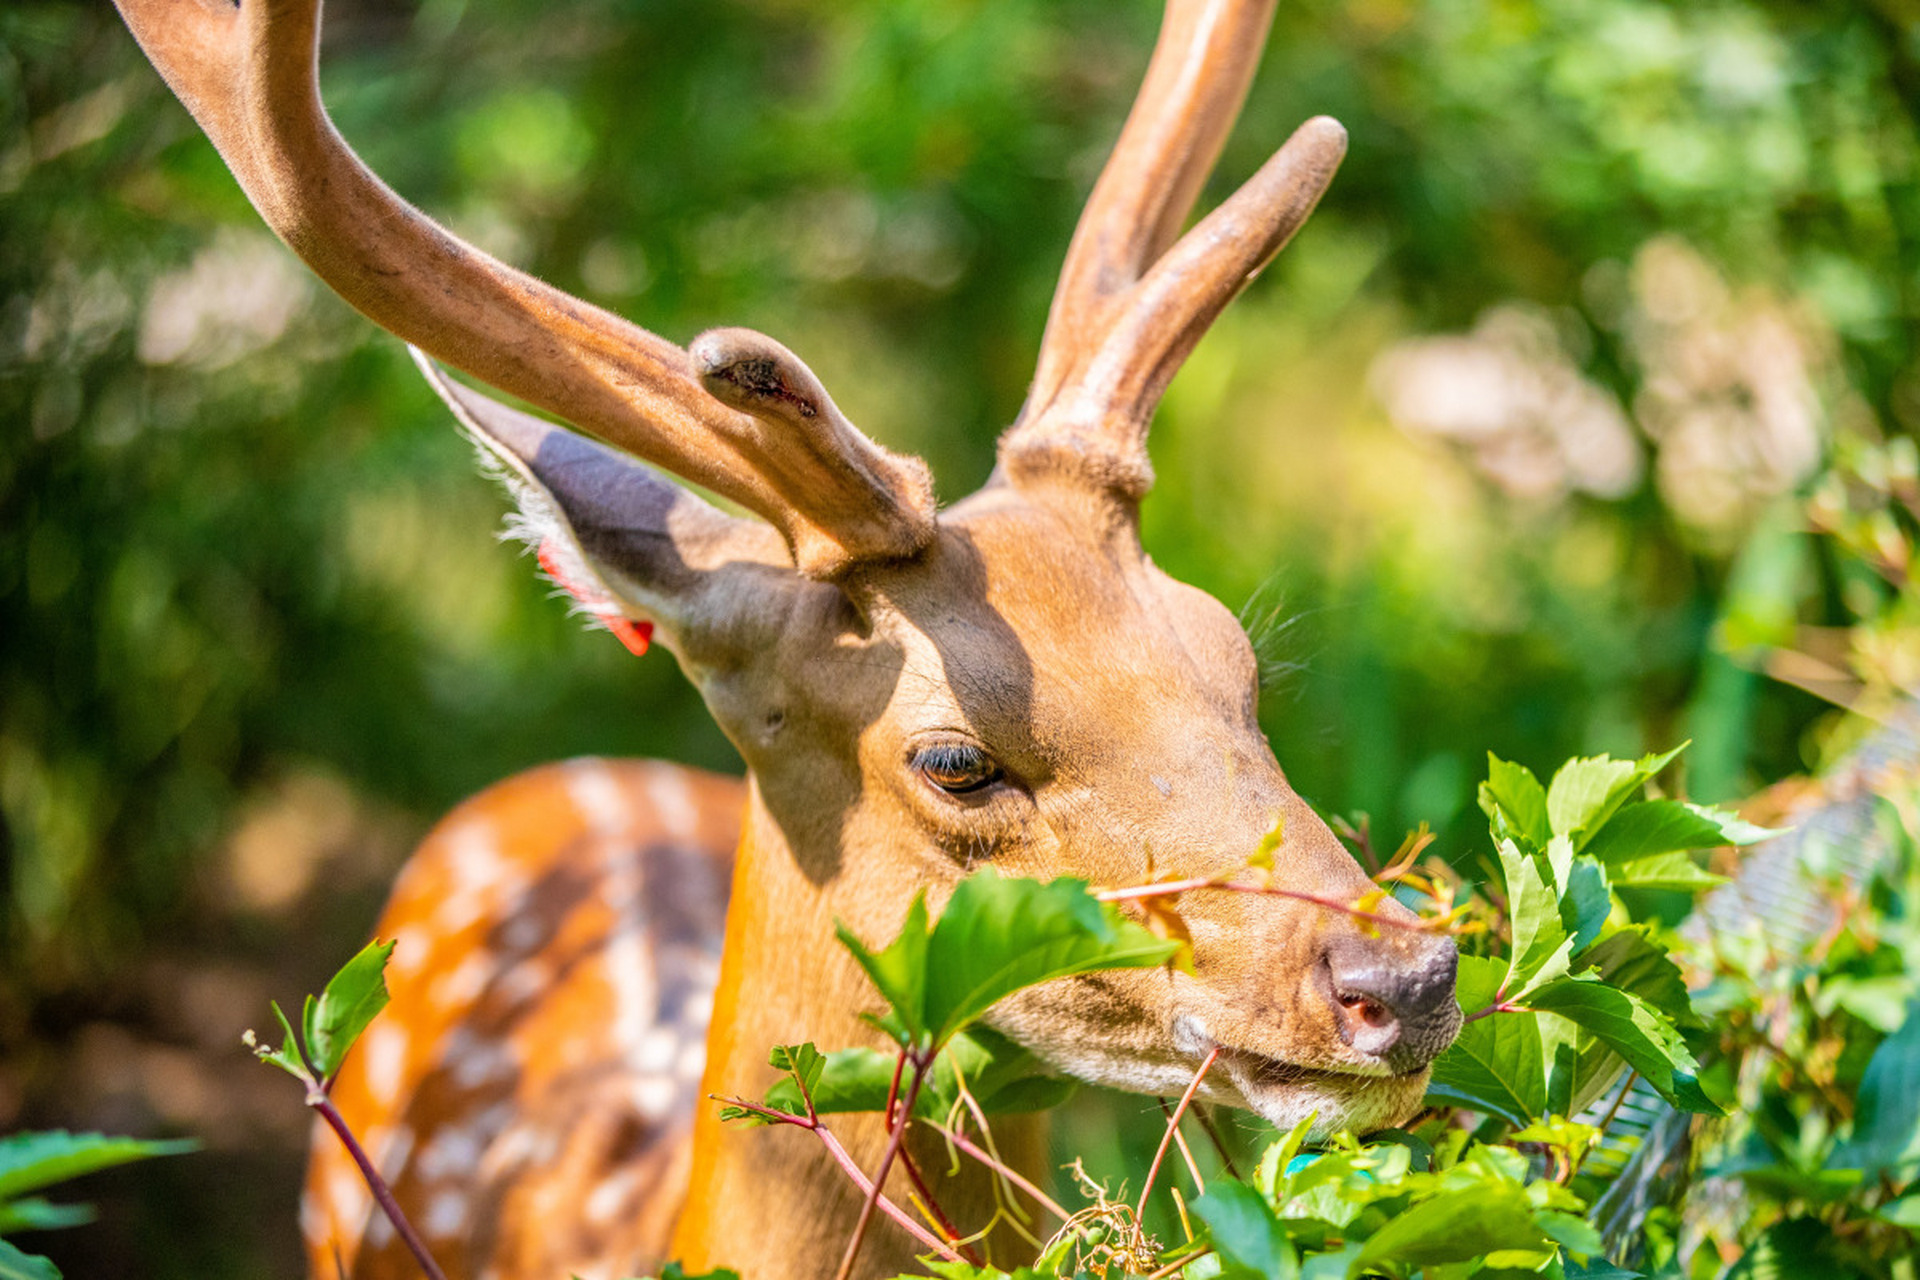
(895, 1134)
(932, 1208)
(847, 1166)
(1186, 1099)
(1498, 1006)
(1180, 1141)
(1170, 888)
(1176, 1264)
(966, 1144)
(383, 1194)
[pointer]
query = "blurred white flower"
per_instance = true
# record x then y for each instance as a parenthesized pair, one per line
(238, 295)
(1513, 398)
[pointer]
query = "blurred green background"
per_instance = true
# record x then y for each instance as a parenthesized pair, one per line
(1511, 439)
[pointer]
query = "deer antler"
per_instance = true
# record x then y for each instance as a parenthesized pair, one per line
(1129, 309)
(249, 74)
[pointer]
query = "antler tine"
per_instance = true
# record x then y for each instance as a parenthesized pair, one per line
(1128, 309)
(249, 74)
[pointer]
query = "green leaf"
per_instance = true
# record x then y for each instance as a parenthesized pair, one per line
(1669, 826)
(998, 935)
(1664, 871)
(899, 969)
(1631, 960)
(1632, 1028)
(1886, 1119)
(1904, 1212)
(1585, 793)
(287, 1056)
(801, 1061)
(15, 1265)
(1575, 1235)
(1454, 1226)
(1541, 947)
(36, 1214)
(1494, 1065)
(1514, 802)
(1245, 1230)
(1585, 900)
(29, 1161)
(352, 999)
(674, 1271)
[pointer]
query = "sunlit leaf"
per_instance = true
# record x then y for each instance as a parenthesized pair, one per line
(1668, 826)
(1631, 960)
(1455, 1226)
(1632, 1028)
(997, 935)
(1514, 802)
(1585, 792)
(899, 969)
(1541, 946)
(1495, 1064)
(353, 998)
(1663, 871)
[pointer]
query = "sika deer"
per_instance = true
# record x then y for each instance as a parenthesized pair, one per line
(915, 692)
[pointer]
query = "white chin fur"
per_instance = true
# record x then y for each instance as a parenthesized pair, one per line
(1359, 1103)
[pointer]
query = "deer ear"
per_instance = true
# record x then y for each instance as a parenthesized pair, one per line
(633, 548)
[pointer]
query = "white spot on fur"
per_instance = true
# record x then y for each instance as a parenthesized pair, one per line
(654, 1096)
(481, 1061)
(461, 985)
(313, 1222)
(379, 1232)
(597, 794)
(607, 1199)
(524, 981)
(452, 1152)
(446, 1215)
(383, 1053)
(672, 801)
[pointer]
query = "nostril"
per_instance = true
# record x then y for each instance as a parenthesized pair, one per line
(1366, 1023)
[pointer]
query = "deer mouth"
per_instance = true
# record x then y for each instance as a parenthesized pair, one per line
(1360, 1097)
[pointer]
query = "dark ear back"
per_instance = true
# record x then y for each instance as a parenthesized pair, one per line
(627, 543)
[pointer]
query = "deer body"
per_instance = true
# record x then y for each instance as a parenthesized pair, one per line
(916, 693)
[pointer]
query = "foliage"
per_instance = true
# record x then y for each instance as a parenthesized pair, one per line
(228, 513)
(31, 1161)
(1579, 999)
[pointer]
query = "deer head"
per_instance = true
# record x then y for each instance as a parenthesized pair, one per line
(1010, 681)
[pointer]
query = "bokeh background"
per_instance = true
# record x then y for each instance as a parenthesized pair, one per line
(1516, 442)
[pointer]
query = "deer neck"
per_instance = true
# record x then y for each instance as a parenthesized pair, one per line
(769, 1202)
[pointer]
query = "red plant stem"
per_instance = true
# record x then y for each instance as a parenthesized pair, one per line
(1180, 1141)
(1172, 887)
(382, 1194)
(896, 1133)
(934, 1210)
(966, 1144)
(1166, 1139)
(1498, 1006)
(852, 1170)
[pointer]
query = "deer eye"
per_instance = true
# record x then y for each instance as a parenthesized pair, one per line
(957, 768)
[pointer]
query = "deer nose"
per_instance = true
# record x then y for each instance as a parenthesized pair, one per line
(1393, 996)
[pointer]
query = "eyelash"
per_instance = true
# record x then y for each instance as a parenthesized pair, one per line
(957, 768)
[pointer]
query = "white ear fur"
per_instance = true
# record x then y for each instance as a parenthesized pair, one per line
(623, 541)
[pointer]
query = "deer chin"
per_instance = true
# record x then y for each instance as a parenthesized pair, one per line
(1286, 1093)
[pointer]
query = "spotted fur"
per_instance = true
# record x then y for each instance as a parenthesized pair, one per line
(528, 1093)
